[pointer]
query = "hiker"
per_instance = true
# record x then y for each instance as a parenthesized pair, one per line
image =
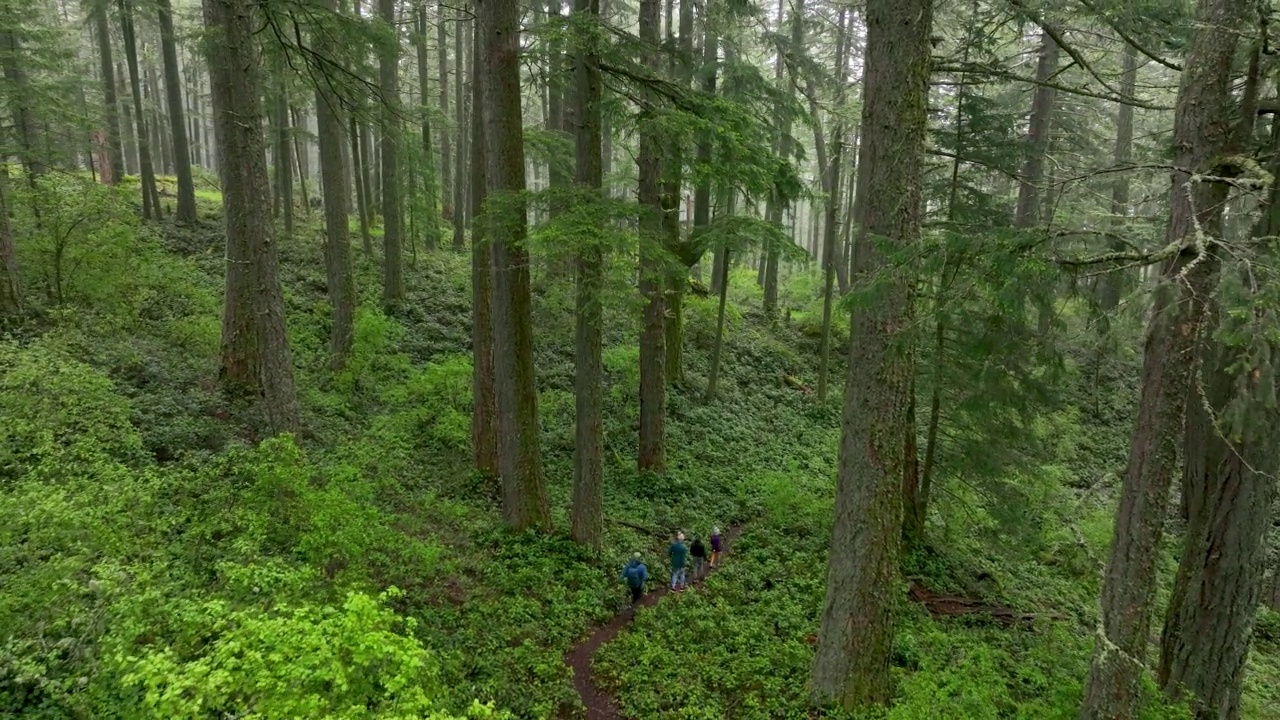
(698, 552)
(635, 574)
(717, 546)
(678, 553)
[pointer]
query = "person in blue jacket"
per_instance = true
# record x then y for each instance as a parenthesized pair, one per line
(635, 575)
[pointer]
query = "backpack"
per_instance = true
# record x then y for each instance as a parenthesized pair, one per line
(634, 575)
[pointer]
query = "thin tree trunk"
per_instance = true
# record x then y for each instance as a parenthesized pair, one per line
(337, 235)
(362, 194)
(1112, 689)
(128, 134)
(1113, 283)
(160, 142)
(519, 447)
(652, 455)
(11, 300)
(178, 128)
(430, 188)
(284, 154)
(556, 104)
(484, 416)
(20, 101)
(722, 285)
(300, 156)
(782, 145)
(114, 170)
(588, 449)
(255, 346)
(459, 184)
(446, 151)
(150, 196)
(851, 663)
(392, 260)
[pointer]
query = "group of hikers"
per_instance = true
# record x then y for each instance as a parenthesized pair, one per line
(636, 574)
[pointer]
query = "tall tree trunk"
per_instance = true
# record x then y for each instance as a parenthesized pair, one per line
(128, 135)
(446, 151)
(362, 193)
(19, 98)
(392, 260)
(484, 415)
(1113, 283)
(160, 143)
(588, 448)
(255, 347)
(430, 186)
(781, 145)
(851, 664)
(337, 235)
(459, 184)
(673, 170)
(1027, 214)
(556, 102)
(652, 455)
(830, 227)
(1229, 467)
(519, 448)
(114, 171)
(1201, 134)
(722, 289)
(150, 195)
(178, 127)
(284, 154)
(300, 155)
(11, 300)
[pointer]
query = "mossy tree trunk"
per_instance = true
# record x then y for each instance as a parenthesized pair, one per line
(256, 359)
(186, 212)
(588, 449)
(389, 140)
(652, 455)
(519, 447)
(851, 663)
(1202, 128)
(484, 415)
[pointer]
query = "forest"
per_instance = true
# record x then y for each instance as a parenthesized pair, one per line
(354, 353)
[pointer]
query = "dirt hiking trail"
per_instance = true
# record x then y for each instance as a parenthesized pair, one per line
(601, 705)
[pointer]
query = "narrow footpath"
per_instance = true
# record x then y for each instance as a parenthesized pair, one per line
(601, 705)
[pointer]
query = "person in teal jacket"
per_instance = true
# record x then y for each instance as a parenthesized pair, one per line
(678, 553)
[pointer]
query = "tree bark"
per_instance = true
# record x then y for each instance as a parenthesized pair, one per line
(150, 196)
(362, 192)
(284, 153)
(652, 455)
(484, 432)
(11, 300)
(1229, 469)
(128, 135)
(186, 212)
(446, 150)
(1027, 214)
(519, 448)
(782, 145)
(392, 262)
(851, 664)
(588, 449)
(722, 289)
(114, 170)
(673, 170)
(20, 101)
(1113, 283)
(460, 118)
(1202, 128)
(255, 348)
(337, 236)
(430, 184)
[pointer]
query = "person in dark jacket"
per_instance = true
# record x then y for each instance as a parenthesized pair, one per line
(678, 553)
(698, 552)
(635, 575)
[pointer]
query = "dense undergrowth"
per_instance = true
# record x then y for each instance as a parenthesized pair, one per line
(160, 559)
